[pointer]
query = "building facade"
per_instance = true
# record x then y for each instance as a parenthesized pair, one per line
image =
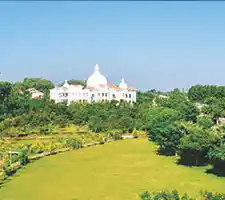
(97, 89)
(35, 94)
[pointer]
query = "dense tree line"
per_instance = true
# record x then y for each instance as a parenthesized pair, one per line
(200, 93)
(172, 120)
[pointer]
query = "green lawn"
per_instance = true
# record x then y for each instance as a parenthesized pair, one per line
(115, 171)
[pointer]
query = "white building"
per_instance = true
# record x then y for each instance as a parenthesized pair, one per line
(35, 94)
(97, 90)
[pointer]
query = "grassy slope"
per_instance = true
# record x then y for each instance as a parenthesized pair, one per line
(118, 171)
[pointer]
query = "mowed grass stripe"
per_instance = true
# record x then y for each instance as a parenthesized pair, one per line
(119, 170)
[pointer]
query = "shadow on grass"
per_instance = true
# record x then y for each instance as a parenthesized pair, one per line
(191, 162)
(4, 181)
(216, 170)
(193, 158)
(165, 152)
(8, 177)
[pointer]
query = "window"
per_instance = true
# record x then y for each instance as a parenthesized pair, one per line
(98, 94)
(103, 94)
(129, 95)
(106, 94)
(126, 95)
(65, 94)
(114, 96)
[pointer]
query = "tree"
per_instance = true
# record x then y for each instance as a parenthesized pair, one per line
(217, 157)
(179, 101)
(199, 93)
(5, 90)
(215, 108)
(79, 113)
(204, 122)
(145, 97)
(77, 82)
(160, 124)
(195, 144)
(42, 85)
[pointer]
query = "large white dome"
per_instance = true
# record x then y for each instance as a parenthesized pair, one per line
(96, 79)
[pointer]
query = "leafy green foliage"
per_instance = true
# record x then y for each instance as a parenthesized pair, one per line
(217, 157)
(195, 144)
(73, 143)
(160, 124)
(40, 84)
(163, 116)
(77, 82)
(214, 108)
(179, 101)
(204, 122)
(174, 195)
(200, 93)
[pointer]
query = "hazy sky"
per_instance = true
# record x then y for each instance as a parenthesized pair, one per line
(159, 45)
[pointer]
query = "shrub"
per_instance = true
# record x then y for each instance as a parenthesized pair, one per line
(13, 163)
(210, 196)
(174, 195)
(51, 146)
(71, 142)
(164, 195)
(37, 147)
(135, 133)
(9, 169)
(23, 155)
(116, 135)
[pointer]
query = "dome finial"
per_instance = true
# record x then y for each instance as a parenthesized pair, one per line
(96, 79)
(66, 84)
(123, 84)
(97, 67)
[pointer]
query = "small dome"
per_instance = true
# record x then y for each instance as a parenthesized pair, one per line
(66, 84)
(96, 79)
(122, 84)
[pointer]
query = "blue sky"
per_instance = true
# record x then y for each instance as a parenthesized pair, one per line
(159, 45)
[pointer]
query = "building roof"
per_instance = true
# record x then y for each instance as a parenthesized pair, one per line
(77, 85)
(33, 90)
(96, 78)
(97, 82)
(113, 87)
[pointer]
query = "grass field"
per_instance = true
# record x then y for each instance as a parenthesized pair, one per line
(115, 171)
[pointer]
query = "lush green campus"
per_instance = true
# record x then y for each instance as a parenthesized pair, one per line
(118, 170)
(189, 156)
